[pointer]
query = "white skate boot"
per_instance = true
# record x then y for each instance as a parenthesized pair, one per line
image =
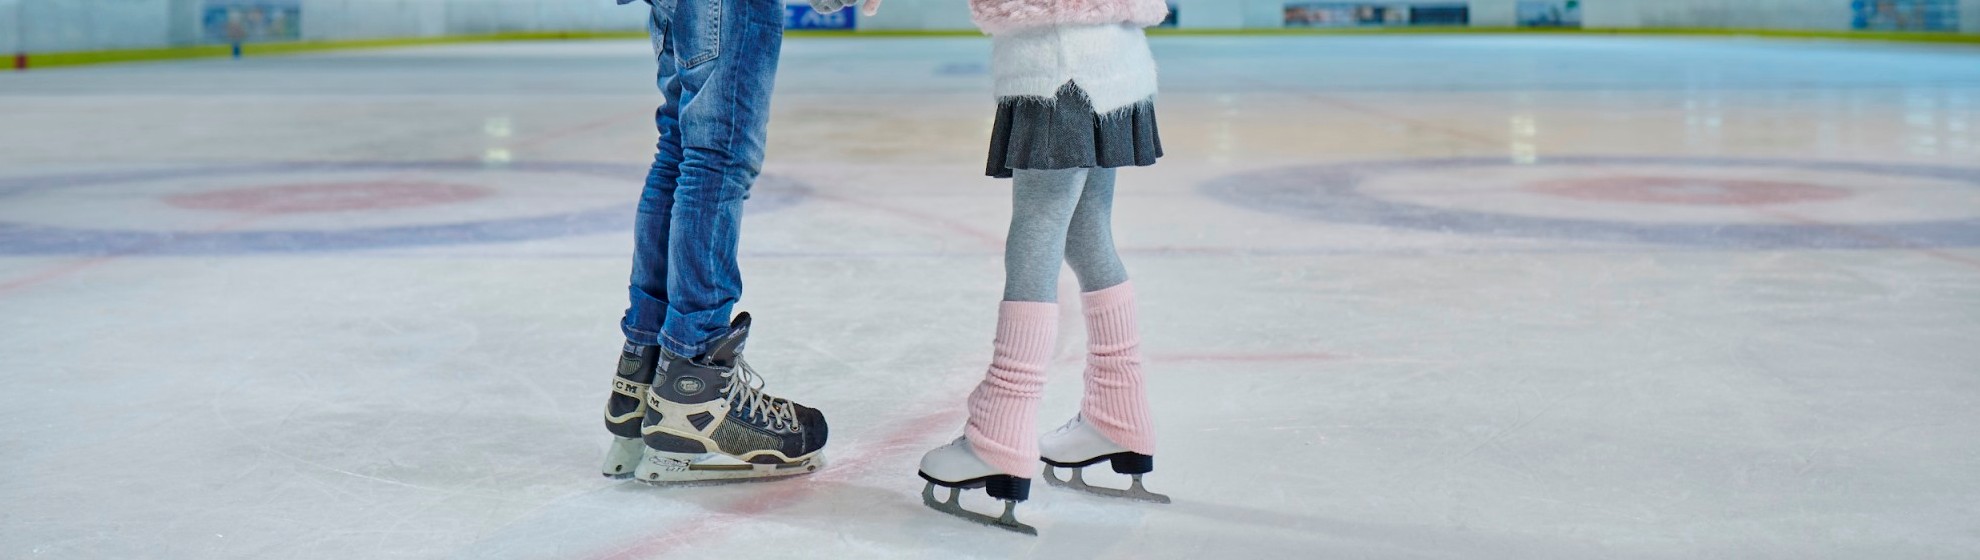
(955, 466)
(1077, 445)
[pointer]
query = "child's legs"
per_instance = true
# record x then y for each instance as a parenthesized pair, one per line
(727, 51)
(648, 286)
(1042, 205)
(1116, 402)
(1003, 408)
(1090, 237)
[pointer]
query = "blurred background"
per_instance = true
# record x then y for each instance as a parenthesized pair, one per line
(54, 26)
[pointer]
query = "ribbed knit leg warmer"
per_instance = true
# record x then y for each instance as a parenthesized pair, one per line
(1116, 401)
(1003, 410)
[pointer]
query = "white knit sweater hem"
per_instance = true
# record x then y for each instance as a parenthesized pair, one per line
(1110, 63)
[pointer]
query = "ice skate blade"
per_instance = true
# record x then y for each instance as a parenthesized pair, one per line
(1135, 491)
(622, 457)
(669, 469)
(953, 507)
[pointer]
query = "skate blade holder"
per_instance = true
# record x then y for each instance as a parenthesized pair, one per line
(686, 469)
(1130, 464)
(1017, 488)
(622, 457)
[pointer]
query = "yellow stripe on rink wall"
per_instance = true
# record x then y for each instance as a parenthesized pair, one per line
(48, 60)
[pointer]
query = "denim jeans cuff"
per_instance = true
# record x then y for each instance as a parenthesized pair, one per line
(637, 336)
(673, 344)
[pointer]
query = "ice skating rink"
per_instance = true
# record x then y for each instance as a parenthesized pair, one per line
(1404, 297)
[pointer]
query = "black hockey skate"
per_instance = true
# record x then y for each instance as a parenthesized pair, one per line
(626, 407)
(708, 418)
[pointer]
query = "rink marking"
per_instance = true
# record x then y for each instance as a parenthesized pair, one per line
(938, 222)
(772, 193)
(1252, 358)
(61, 271)
(601, 123)
(1892, 242)
(344, 196)
(1332, 193)
(1692, 191)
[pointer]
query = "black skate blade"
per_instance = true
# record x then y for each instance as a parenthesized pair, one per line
(1135, 492)
(954, 507)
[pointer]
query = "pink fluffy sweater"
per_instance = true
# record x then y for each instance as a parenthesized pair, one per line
(999, 16)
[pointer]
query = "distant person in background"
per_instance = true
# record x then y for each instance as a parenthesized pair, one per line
(1075, 86)
(685, 406)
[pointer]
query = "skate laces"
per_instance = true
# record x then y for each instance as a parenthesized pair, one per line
(1068, 426)
(746, 393)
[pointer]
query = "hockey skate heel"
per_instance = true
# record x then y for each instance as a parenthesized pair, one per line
(625, 408)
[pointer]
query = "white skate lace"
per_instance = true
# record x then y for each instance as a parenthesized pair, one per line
(746, 392)
(1068, 426)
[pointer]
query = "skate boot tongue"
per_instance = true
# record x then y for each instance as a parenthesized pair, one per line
(726, 350)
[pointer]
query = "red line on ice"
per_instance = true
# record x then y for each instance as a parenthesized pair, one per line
(1242, 357)
(945, 224)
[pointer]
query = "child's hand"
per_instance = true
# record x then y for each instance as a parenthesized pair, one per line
(829, 6)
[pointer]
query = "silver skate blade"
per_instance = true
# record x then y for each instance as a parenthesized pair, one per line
(1135, 491)
(669, 469)
(953, 506)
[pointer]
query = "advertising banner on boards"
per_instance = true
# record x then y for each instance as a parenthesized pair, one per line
(801, 16)
(1906, 15)
(249, 21)
(1550, 13)
(1368, 14)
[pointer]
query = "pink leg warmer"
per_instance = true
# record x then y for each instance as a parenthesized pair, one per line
(1003, 410)
(1116, 401)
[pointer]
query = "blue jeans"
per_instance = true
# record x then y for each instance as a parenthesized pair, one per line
(718, 62)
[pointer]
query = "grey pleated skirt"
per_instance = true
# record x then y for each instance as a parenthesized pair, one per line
(1065, 133)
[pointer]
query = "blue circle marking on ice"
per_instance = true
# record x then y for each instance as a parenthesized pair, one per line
(771, 193)
(1332, 193)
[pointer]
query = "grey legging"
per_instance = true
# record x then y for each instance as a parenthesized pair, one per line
(1060, 215)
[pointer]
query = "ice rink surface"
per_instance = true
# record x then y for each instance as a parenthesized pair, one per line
(1404, 297)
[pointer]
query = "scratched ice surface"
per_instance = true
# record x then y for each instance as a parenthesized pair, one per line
(1404, 297)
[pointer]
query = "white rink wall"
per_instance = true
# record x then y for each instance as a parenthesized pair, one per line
(1811, 15)
(50, 25)
(82, 25)
(1618, 14)
(85, 25)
